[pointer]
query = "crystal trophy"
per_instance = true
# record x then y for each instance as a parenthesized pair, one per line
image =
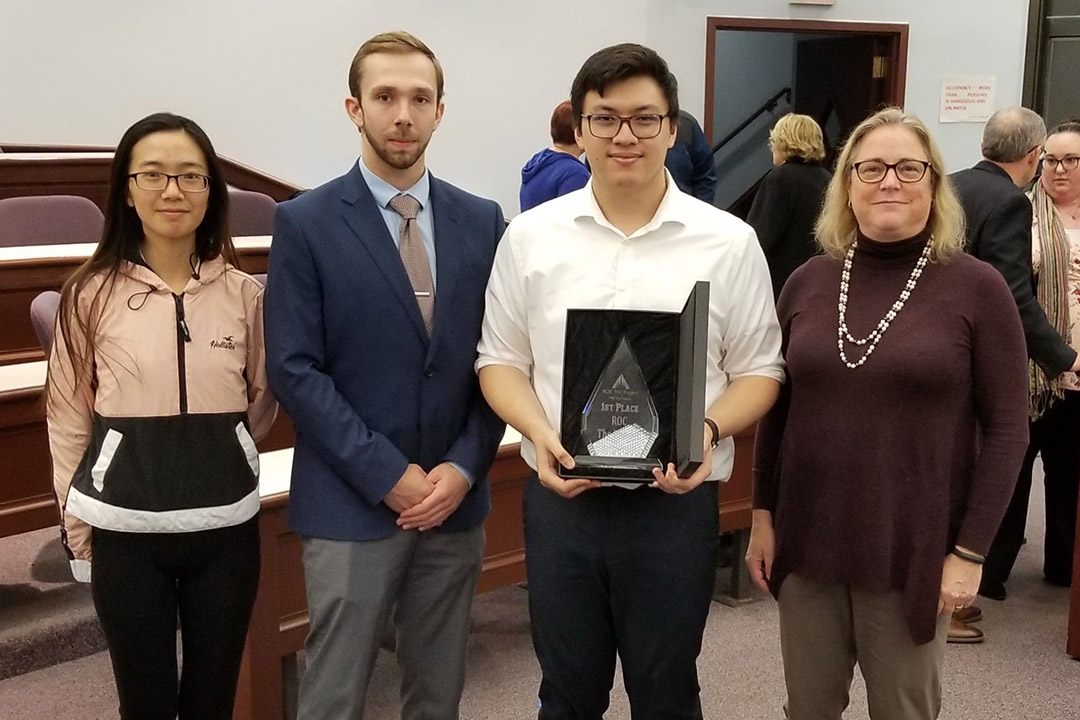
(634, 390)
(620, 419)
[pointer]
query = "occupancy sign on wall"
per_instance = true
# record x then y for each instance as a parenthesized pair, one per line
(967, 98)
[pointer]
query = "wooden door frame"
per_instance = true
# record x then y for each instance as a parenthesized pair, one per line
(896, 35)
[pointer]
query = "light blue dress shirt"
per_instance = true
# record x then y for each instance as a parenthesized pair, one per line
(384, 192)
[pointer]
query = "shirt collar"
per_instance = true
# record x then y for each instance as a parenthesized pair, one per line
(671, 208)
(384, 192)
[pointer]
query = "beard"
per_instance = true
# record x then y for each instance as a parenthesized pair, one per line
(398, 159)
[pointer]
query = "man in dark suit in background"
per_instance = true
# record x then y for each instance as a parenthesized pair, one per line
(374, 302)
(999, 232)
(690, 160)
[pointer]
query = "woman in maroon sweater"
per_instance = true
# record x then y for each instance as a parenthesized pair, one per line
(882, 473)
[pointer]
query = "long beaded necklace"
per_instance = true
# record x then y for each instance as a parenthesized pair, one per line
(842, 332)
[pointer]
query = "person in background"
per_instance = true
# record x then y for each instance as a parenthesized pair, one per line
(882, 473)
(788, 202)
(999, 232)
(1055, 401)
(156, 395)
(690, 160)
(556, 170)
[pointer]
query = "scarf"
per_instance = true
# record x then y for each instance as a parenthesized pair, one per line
(1051, 290)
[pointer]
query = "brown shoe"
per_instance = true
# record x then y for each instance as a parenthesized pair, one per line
(968, 615)
(961, 633)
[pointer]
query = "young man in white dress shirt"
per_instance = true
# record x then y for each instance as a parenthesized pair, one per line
(614, 571)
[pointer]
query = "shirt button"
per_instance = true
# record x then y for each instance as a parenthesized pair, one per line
(429, 372)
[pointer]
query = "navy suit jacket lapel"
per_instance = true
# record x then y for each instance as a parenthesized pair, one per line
(364, 219)
(448, 240)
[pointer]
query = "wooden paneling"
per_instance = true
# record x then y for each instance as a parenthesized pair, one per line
(22, 280)
(1072, 645)
(26, 497)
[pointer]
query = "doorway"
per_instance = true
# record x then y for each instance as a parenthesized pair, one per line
(758, 69)
(1053, 55)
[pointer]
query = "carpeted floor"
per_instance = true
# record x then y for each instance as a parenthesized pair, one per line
(1020, 673)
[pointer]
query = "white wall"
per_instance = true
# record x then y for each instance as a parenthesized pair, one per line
(957, 37)
(267, 78)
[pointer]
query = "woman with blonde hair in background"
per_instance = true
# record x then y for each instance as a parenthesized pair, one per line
(789, 200)
(881, 474)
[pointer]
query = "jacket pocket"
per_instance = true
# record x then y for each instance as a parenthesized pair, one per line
(248, 446)
(105, 458)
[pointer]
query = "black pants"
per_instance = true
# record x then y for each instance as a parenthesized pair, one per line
(1057, 436)
(627, 572)
(141, 582)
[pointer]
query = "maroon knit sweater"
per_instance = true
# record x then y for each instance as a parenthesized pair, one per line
(873, 474)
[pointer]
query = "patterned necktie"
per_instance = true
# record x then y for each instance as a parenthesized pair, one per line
(414, 257)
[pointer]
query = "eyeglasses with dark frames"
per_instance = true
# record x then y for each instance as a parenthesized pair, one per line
(906, 171)
(1067, 163)
(154, 180)
(644, 127)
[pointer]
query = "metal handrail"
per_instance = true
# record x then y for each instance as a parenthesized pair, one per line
(767, 107)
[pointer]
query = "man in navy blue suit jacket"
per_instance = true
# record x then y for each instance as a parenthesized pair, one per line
(393, 437)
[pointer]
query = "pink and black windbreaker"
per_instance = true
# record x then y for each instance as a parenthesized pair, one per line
(163, 438)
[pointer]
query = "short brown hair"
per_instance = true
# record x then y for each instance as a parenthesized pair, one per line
(798, 136)
(562, 124)
(399, 42)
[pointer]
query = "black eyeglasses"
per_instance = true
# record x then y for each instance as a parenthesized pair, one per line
(1069, 162)
(906, 171)
(644, 127)
(187, 182)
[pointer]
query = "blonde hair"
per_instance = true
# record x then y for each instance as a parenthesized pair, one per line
(399, 42)
(837, 226)
(797, 136)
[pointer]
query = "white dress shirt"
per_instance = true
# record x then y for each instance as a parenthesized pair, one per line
(565, 254)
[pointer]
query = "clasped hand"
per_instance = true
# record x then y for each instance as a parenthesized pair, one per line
(424, 500)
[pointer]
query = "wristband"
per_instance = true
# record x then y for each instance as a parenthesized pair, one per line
(970, 557)
(715, 432)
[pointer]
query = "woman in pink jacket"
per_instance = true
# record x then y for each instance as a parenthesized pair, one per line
(156, 394)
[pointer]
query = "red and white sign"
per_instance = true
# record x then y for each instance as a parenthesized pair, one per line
(967, 98)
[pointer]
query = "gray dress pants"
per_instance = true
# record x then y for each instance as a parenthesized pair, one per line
(427, 581)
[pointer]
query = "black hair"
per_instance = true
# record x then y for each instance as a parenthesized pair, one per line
(622, 62)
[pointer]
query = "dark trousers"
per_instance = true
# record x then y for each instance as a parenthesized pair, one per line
(142, 582)
(626, 572)
(1057, 436)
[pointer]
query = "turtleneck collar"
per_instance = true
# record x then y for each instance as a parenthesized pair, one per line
(887, 253)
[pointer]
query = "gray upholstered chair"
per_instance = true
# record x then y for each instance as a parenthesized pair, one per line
(49, 220)
(250, 213)
(43, 317)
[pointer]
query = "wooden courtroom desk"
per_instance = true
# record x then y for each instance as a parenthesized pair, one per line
(26, 496)
(27, 271)
(84, 171)
(56, 173)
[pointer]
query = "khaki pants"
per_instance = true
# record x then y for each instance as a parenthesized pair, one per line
(826, 629)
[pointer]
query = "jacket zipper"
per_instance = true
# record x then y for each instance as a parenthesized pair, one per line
(182, 336)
